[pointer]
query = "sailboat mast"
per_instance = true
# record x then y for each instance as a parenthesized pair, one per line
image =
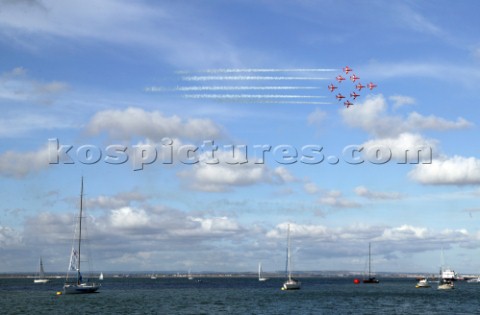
(80, 230)
(369, 259)
(41, 268)
(289, 259)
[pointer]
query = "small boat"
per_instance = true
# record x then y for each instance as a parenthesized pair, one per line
(474, 280)
(153, 277)
(370, 279)
(291, 283)
(446, 285)
(79, 286)
(423, 283)
(101, 276)
(40, 279)
(260, 278)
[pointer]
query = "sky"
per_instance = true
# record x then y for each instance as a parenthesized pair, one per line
(202, 129)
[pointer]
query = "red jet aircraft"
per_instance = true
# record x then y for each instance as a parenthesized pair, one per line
(332, 87)
(371, 85)
(339, 96)
(347, 69)
(359, 86)
(354, 78)
(347, 103)
(354, 95)
(340, 78)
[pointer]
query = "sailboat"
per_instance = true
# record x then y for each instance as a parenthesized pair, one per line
(260, 278)
(101, 276)
(371, 279)
(79, 285)
(445, 284)
(41, 275)
(291, 283)
(190, 277)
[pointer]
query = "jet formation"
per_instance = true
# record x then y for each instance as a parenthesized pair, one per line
(354, 78)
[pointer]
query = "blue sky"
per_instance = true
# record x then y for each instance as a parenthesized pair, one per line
(179, 75)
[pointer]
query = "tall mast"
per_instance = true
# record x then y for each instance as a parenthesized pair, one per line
(289, 259)
(369, 260)
(80, 231)
(41, 268)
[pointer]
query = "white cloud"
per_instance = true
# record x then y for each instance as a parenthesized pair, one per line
(403, 238)
(456, 170)
(136, 122)
(372, 116)
(335, 199)
(376, 195)
(15, 124)
(401, 100)
(217, 225)
(126, 218)
(15, 85)
(311, 188)
(431, 122)
(317, 117)
(142, 235)
(9, 237)
(419, 23)
(181, 34)
(405, 148)
(20, 164)
(404, 232)
(231, 172)
(222, 177)
(116, 201)
(284, 174)
(298, 231)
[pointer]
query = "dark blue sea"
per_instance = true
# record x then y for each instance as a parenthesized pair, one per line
(239, 296)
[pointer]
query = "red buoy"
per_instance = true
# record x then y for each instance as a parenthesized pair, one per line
(356, 281)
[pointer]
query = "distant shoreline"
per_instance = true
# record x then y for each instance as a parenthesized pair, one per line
(175, 275)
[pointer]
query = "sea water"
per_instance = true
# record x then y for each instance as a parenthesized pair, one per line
(239, 296)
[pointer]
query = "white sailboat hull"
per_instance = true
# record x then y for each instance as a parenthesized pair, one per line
(41, 281)
(291, 285)
(423, 284)
(446, 285)
(80, 288)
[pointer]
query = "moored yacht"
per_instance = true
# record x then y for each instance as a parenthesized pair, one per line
(423, 283)
(291, 283)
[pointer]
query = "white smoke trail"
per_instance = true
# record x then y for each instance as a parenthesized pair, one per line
(258, 70)
(249, 96)
(261, 101)
(248, 78)
(227, 88)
